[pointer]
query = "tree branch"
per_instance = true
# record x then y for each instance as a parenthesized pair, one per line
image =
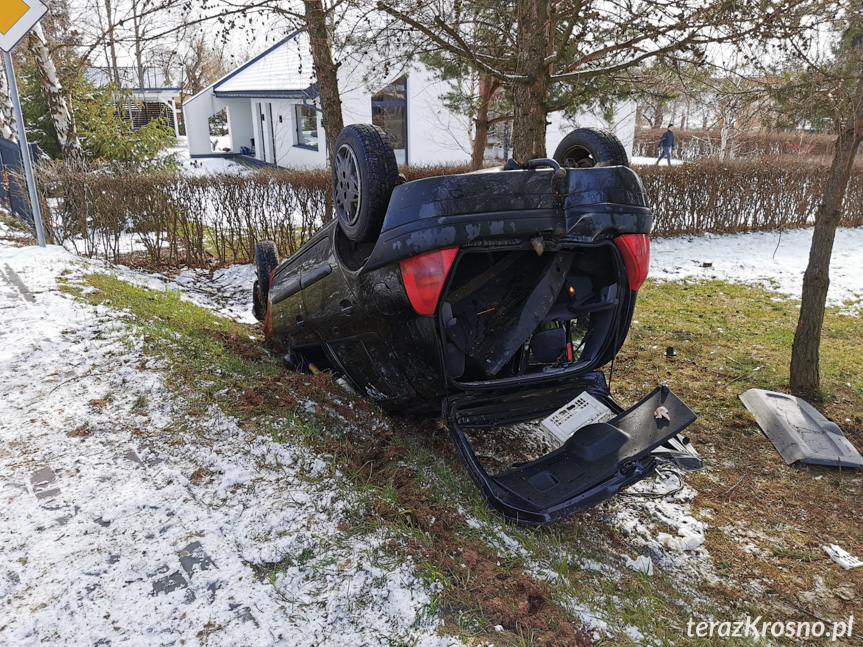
(460, 49)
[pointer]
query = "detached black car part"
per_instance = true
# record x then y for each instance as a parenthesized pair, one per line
(495, 296)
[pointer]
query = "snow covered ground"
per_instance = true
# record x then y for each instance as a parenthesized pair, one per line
(129, 519)
(227, 290)
(213, 165)
(206, 165)
(773, 259)
(638, 160)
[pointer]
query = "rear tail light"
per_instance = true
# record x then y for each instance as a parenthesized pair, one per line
(635, 249)
(424, 276)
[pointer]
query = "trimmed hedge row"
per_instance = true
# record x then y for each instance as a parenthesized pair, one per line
(199, 220)
(189, 219)
(699, 144)
(742, 196)
(181, 218)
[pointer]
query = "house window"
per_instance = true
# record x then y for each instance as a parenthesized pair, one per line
(307, 127)
(220, 135)
(390, 111)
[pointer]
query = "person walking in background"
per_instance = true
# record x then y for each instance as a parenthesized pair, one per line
(666, 143)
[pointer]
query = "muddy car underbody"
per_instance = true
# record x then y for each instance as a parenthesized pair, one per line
(494, 298)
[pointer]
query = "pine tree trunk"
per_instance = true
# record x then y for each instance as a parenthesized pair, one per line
(487, 87)
(61, 114)
(326, 72)
(805, 353)
(531, 96)
(8, 127)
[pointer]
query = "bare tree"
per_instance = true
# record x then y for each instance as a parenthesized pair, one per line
(111, 43)
(201, 64)
(138, 34)
(805, 353)
(121, 32)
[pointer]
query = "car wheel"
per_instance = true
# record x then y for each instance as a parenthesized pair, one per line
(364, 175)
(267, 259)
(588, 147)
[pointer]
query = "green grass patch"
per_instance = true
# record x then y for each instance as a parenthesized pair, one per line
(13, 223)
(729, 338)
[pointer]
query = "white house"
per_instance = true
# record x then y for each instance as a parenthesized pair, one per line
(272, 112)
(157, 99)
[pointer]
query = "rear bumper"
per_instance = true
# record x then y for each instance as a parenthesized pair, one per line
(593, 465)
(418, 237)
(459, 210)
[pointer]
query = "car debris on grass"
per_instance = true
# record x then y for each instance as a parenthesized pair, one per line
(799, 432)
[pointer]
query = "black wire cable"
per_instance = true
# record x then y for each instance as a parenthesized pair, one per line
(665, 469)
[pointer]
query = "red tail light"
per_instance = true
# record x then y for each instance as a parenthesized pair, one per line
(635, 249)
(424, 276)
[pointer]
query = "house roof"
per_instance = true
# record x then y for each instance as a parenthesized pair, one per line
(284, 70)
(155, 79)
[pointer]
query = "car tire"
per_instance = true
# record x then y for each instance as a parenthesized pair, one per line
(267, 259)
(364, 172)
(588, 147)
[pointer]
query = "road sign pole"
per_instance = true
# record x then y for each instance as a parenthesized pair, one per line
(25, 150)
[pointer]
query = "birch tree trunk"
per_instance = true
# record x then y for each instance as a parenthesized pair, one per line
(61, 114)
(8, 127)
(805, 352)
(531, 96)
(326, 72)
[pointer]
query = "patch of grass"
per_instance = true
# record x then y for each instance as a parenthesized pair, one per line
(13, 223)
(787, 553)
(729, 338)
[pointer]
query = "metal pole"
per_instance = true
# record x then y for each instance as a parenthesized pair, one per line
(25, 150)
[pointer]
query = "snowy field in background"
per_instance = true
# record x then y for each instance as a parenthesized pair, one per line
(738, 258)
(774, 260)
(212, 166)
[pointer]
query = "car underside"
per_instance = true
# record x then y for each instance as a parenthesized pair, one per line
(493, 298)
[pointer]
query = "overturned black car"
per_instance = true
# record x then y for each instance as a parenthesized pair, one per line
(495, 296)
